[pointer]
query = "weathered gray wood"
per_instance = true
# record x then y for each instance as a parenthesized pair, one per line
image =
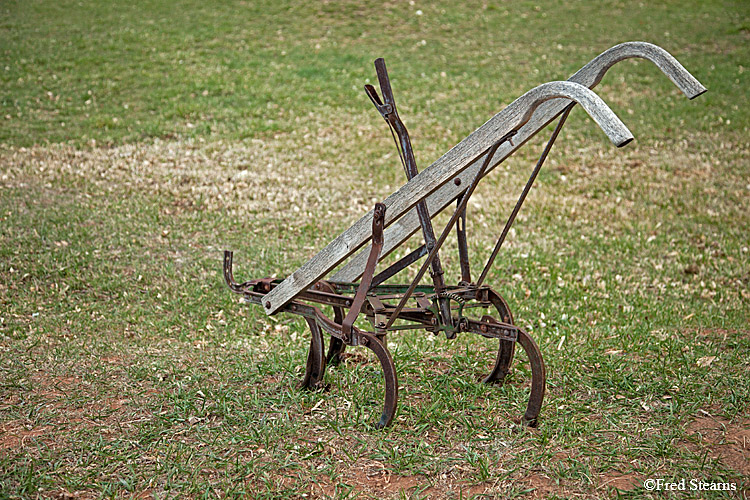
(590, 75)
(443, 170)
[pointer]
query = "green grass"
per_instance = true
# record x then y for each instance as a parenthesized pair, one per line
(77, 71)
(140, 141)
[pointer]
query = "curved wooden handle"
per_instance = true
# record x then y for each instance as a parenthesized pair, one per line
(591, 74)
(525, 106)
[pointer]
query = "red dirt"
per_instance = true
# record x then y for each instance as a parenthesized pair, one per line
(542, 486)
(724, 440)
(620, 481)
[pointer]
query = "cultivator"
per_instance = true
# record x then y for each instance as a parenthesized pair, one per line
(356, 290)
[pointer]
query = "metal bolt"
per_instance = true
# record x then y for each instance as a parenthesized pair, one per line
(268, 304)
(483, 328)
(457, 181)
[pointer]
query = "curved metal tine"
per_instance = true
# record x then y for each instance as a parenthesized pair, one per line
(506, 350)
(443, 170)
(335, 345)
(538, 373)
(367, 339)
(389, 374)
(316, 361)
(589, 75)
(505, 353)
(538, 378)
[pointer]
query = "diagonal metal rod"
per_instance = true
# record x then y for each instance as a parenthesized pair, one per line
(448, 227)
(525, 192)
(463, 247)
(406, 154)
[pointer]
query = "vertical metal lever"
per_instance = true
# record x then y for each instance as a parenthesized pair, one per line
(387, 108)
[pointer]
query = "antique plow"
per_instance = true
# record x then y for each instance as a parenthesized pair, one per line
(356, 290)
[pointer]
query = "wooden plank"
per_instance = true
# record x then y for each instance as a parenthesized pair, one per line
(590, 75)
(443, 170)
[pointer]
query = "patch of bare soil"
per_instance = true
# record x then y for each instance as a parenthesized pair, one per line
(374, 479)
(88, 495)
(540, 485)
(723, 440)
(16, 434)
(620, 481)
(73, 495)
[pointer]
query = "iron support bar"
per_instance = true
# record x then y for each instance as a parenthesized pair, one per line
(399, 265)
(526, 190)
(463, 247)
(364, 285)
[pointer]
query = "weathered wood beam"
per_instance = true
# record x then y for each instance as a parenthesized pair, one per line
(443, 170)
(589, 75)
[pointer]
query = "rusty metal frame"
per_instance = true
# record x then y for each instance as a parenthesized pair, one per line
(438, 308)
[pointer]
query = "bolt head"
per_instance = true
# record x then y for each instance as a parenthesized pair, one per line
(268, 304)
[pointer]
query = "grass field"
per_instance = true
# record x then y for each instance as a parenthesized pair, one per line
(139, 141)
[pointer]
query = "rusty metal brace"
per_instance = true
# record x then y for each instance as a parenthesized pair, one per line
(378, 220)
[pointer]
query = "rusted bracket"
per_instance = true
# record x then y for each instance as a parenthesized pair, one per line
(229, 275)
(378, 219)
